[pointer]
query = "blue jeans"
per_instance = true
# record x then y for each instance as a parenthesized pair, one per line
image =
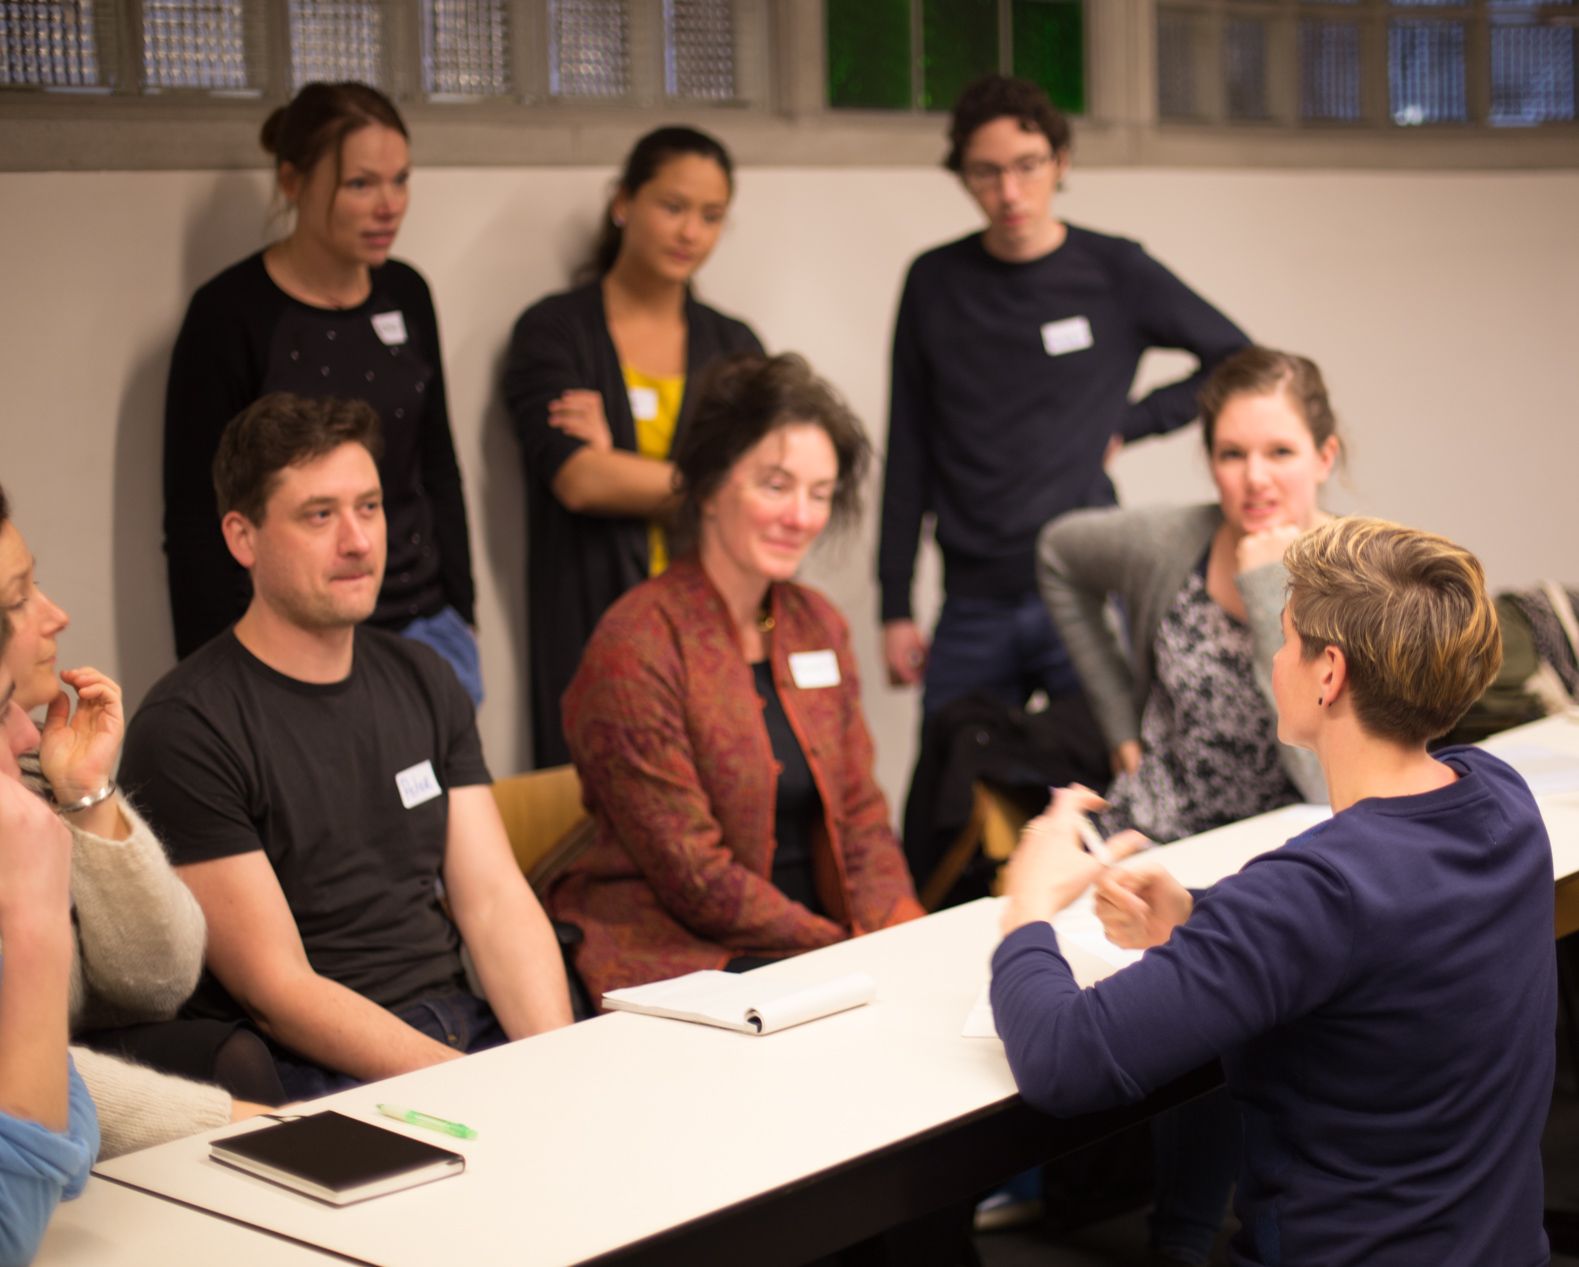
(1004, 646)
(458, 1020)
(449, 635)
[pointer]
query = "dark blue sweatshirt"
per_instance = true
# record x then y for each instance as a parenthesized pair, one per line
(1382, 991)
(1009, 379)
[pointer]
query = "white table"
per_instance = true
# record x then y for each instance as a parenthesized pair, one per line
(111, 1224)
(634, 1139)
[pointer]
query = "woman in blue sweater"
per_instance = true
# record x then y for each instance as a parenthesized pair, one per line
(1381, 989)
(49, 1133)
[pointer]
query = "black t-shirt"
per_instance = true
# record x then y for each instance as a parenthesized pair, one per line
(344, 788)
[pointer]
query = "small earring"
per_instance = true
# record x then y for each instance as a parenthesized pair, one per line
(1320, 700)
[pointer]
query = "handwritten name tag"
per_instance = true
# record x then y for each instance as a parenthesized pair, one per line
(1072, 334)
(813, 669)
(390, 327)
(417, 784)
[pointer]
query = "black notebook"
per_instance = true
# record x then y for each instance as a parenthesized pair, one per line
(336, 1158)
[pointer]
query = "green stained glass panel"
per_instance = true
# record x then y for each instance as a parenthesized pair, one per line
(1050, 49)
(959, 43)
(868, 54)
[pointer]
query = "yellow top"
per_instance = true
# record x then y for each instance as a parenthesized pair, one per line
(655, 405)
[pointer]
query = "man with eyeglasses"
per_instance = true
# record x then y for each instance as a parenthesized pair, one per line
(1014, 353)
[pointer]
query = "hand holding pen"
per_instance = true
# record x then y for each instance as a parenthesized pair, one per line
(1051, 867)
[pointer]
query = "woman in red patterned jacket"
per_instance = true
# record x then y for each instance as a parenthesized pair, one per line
(716, 715)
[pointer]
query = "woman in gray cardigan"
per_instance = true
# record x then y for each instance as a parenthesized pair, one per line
(1188, 712)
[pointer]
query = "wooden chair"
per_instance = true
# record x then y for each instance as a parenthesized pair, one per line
(993, 827)
(545, 821)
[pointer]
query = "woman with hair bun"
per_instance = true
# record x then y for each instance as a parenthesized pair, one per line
(716, 717)
(598, 385)
(325, 311)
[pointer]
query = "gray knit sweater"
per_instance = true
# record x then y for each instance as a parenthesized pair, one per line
(139, 951)
(1145, 557)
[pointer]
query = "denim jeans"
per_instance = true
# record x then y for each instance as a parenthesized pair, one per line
(1005, 646)
(448, 634)
(458, 1020)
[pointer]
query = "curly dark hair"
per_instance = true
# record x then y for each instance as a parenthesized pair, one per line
(742, 400)
(1003, 97)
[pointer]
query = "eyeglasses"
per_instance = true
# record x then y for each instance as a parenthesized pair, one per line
(984, 176)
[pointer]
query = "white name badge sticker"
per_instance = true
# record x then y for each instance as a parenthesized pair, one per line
(390, 327)
(644, 404)
(418, 784)
(1072, 334)
(813, 669)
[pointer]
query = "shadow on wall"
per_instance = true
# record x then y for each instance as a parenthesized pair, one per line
(503, 492)
(223, 228)
(501, 484)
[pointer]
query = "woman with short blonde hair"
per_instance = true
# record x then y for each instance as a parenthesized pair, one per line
(1381, 989)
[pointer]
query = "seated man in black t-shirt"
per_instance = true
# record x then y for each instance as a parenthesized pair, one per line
(315, 781)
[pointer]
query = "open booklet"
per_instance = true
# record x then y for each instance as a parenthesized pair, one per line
(744, 1001)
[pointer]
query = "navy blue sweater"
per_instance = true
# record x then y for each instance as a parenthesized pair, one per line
(991, 432)
(1382, 991)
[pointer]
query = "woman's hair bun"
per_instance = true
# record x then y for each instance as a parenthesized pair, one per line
(269, 136)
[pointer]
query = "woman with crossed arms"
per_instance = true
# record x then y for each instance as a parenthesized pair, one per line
(601, 385)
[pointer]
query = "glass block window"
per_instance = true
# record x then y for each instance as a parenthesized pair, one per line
(1425, 72)
(465, 48)
(868, 54)
(1245, 68)
(1532, 74)
(195, 44)
(699, 49)
(1050, 49)
(1179, 38)
(589, 48)
(1329, 71)
(49, 44)
(959, 43)
(899, 55)
(333, 40)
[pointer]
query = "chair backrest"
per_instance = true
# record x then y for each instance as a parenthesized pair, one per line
(992, 830)
(545, 820)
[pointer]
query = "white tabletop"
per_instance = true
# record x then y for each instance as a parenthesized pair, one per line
(616, 1129)
(111, 1224)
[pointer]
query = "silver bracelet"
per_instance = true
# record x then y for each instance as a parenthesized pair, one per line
(88, 802)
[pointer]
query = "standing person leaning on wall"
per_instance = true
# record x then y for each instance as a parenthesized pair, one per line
(325, 311)
(598, 385)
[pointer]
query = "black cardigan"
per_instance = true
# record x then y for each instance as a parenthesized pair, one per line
(577, 565)
(244, 337)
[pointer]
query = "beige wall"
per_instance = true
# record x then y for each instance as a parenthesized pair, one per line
(1443, 307)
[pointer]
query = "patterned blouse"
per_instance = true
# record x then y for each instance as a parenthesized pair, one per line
(1209, 739)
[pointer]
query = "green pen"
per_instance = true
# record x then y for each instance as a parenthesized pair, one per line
(412, 1118)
